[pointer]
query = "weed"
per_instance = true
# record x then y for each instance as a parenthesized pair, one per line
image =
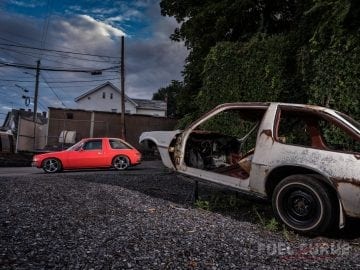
(272, 225)
(202, 204)
(269, 224)
(289, 235)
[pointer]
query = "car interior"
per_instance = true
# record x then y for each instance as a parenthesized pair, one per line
(225, 143)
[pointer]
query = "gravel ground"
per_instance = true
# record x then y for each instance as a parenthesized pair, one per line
(144, 219)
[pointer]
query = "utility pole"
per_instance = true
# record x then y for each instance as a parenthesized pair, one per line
(36, 99)
(122, 75)
(36, 94)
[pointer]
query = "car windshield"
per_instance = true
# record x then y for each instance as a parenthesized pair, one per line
(352, 121)
(76, 146)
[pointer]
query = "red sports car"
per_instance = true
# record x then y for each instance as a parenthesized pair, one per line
(90, 153)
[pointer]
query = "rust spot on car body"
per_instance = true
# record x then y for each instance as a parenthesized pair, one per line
(352, 181)
(267, 132)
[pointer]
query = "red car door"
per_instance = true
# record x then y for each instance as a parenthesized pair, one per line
(90, 155)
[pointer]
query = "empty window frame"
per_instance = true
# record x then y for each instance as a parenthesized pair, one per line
(315, 130)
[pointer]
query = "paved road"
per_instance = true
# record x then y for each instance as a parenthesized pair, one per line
(147, 167)
(16, 171)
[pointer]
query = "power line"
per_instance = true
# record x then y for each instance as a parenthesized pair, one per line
(70, 86)
(20, 81)
(46, 24)
(52, 90)
(26, 66)
(59, 51)
(33, 39)
(36, 55)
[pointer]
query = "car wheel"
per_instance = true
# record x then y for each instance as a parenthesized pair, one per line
(121, 163)
(52, 165)
(304, 204)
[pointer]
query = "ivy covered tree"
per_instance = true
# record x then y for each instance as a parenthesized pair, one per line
(206, 23)
(268, 50)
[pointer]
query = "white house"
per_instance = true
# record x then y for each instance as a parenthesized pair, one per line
(107, 97)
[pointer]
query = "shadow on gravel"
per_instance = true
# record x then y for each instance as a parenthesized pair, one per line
(178, 189)
(170, 186)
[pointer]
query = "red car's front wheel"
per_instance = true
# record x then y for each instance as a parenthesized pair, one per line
(51, 165)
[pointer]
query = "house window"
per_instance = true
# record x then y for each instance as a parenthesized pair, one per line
(104, 95)
(114, 110)
(111, 96)
(69, 116)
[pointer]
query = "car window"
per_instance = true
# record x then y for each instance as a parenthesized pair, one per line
(293, 129)
(117, 144)
(92, 145)
(337, 139)
(314, 130)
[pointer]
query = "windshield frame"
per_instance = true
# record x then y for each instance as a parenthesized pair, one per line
(354, 124)
(76, 146)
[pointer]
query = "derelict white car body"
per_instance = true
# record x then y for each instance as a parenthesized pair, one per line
(310, 172)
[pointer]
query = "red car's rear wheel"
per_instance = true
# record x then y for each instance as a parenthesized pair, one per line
(121, 163)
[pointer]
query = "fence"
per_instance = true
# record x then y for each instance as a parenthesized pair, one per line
(101, 124)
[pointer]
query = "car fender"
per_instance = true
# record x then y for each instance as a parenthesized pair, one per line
(162, 140)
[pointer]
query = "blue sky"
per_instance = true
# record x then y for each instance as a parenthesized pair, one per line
(92, 30)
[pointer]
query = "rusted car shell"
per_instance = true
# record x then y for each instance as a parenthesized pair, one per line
(340, 170)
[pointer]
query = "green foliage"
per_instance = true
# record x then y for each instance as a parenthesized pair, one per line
(169, 94)
(272, 225)
(269, 224)
(334, 23)
(202, 204)
(206, 23)
(259, 70)
(291, 51)
(336, 80)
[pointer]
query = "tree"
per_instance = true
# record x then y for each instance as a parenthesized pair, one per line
(208, 22)
(169, 95)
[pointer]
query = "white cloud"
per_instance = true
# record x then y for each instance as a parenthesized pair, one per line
(150, 63)
(97, 27)
(27, 3)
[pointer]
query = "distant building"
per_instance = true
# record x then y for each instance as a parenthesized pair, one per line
(12, 120)
(28, 137)
(107, 98)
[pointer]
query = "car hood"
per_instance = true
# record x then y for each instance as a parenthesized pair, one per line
(51, 154)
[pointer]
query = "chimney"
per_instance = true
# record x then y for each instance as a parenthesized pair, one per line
(44, 114)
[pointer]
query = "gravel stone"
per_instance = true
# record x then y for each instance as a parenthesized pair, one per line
(143, 218)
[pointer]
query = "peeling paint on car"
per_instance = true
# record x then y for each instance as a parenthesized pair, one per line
(275, 156)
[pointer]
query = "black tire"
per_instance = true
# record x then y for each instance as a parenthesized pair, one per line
(304, 204)
(121, 163)
(51, 165)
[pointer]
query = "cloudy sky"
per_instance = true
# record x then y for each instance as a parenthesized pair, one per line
(83, 35)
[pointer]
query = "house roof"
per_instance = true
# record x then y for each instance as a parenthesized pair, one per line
(139, 103)
(150, 104)
(98, 88)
